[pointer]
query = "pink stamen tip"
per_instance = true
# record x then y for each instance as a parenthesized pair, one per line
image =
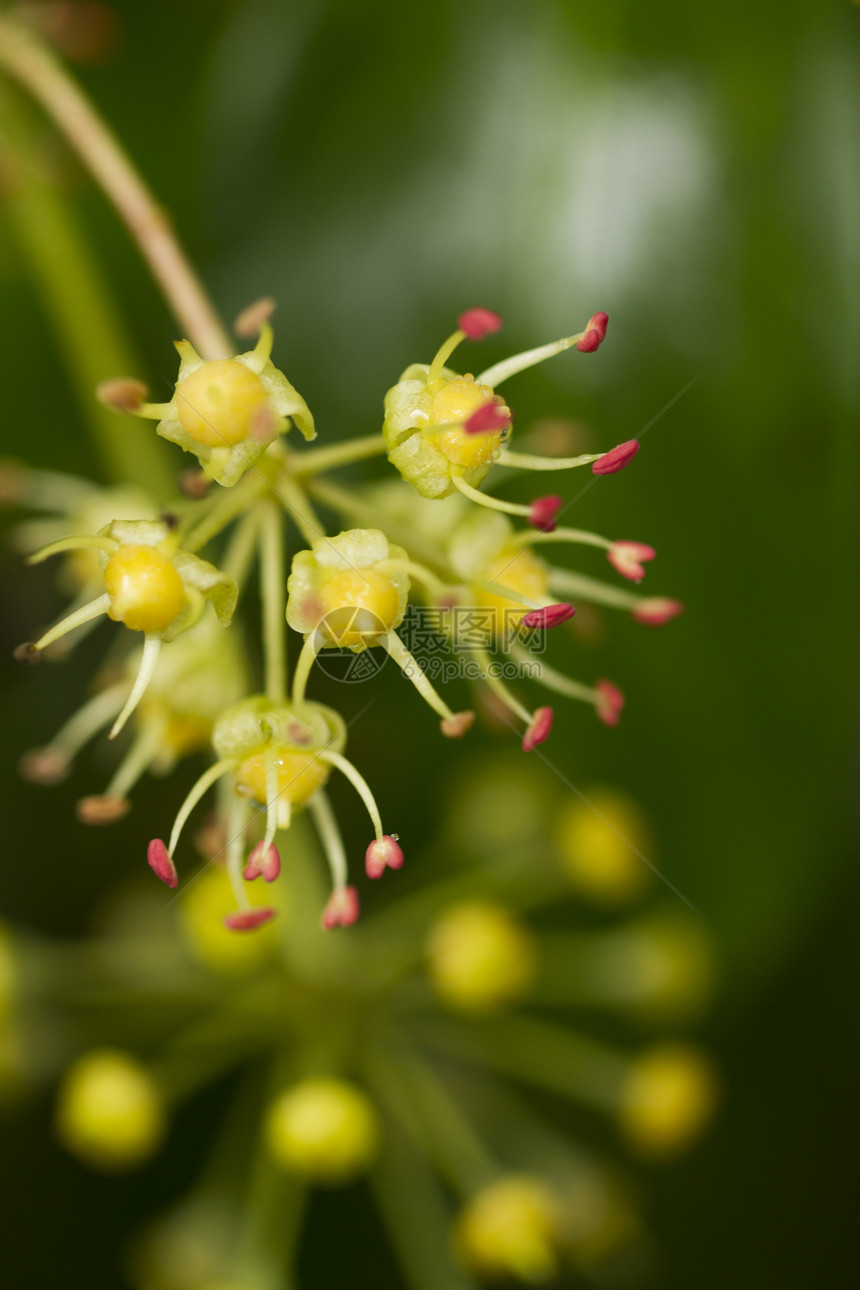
(539, 728)
(616, 459)
(548, 616)
(626, 558)
(245, 920)
(598, 322)
(543, 512)
(264, 861)
(657, 610)
(383, 854)
(478, 323)
(489, 417)
(589, 342)
(342, 908)
(159, 861)
(610, 703)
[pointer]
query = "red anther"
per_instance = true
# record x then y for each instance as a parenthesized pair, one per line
(590, 341)
(478, 323)
(245, 920)
(610, 703)
(44, 766)
(598, 322)
(159, 861)
(657, 610)
(626, 558)
(548, 615)
(539, 728)
(342, 908)
(264, 861)
(616, 458)
(543, 512)
(386, 853)
(489, 417)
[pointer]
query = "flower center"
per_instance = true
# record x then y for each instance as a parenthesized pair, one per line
(216, 404)
(456, 401)
(144, 588)
(300, 774)
(523, 572)
(358, 605)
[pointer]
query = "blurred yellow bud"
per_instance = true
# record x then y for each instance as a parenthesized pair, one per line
(324, 1129)
(109, 1111)
(667, 1099)
(598, 841)
(511, 1228)
(480, 958)
(202, 910)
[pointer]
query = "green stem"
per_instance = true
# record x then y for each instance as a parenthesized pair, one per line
(89, 330)
(273, 593)
(43, 76)
(318, 460)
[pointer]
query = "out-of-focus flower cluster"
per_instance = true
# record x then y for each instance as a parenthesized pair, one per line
(484, 1051)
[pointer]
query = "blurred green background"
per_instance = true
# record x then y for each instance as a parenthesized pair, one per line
(694, 171)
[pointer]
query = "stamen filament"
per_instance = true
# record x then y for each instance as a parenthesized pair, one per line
(228, 505)
(443, 354)
(263, 349)
(582, 536)
(298, 506)
(499, 372)
(88, 721)
(313, 644)
(272, 795)
(360, 785)
(236, 821)
(412, 670)
(531, 461)
(139, 757)
(150, 411)
(197, 790)
(148, 662)
(419, 572)
(552, 679)
(272, 582)
(318, 460)
(241, 549)
(330, 837)
(68, 624)
(499, 688)
(497, 589)
(601, 593)
(83, 543)
(483, 499)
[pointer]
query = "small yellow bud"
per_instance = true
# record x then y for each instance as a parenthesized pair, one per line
(511, 1228)
(357, 606)
(145, 589)
(324, 1129)
(109, 1111)
(480, 958)
(218, 402)
(667, 1099)
(202, 911)
(598, 841)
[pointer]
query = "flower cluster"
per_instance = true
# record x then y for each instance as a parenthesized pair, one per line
(431, 539)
